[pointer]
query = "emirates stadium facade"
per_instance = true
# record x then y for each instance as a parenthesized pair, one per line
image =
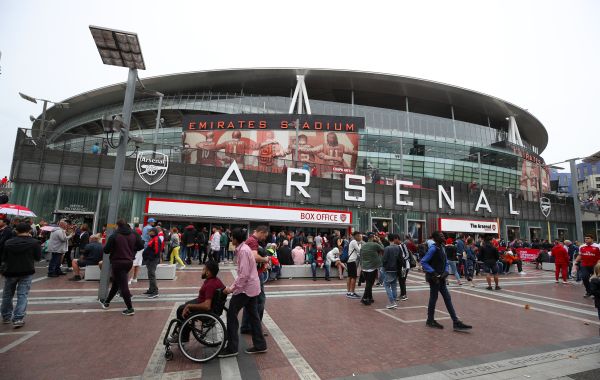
(377, 152)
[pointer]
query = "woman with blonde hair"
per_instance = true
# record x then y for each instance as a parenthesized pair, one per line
(175, 247)
(595, 287)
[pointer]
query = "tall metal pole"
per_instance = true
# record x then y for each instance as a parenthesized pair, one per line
(576, 205)
(115, 191)
(160, 99)
(479, 168)
(43, 122)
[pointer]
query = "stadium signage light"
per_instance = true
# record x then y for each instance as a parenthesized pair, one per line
(355, 189)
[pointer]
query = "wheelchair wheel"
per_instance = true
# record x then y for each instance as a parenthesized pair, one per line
(207, 337)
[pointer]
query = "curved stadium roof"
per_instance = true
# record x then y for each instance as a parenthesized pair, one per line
(370, 89)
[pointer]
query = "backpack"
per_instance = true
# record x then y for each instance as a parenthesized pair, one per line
(345, 254)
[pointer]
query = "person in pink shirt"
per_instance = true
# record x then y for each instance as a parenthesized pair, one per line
(298, 255)
(245, 290)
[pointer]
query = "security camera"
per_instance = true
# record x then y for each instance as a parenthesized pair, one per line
(32, 118)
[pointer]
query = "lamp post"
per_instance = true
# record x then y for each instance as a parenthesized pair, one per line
(118, 48)
(58, 105)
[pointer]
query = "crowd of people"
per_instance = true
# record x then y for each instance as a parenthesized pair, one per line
(375, 259)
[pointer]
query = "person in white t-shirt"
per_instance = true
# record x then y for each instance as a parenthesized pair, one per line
(215, 244)
(333, 257)
(352, 265)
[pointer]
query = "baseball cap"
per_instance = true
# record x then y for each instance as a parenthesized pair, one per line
(370, 234)
(151, 220)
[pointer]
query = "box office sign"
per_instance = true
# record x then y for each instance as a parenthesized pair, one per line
(267, 142)
(247, 212)
(472, 226)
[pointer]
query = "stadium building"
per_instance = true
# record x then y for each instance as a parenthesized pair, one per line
(297, 148)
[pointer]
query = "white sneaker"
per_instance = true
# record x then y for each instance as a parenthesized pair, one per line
(129, 282)
(522, 273)
(134, 280)
(183, 267)
(391, 306)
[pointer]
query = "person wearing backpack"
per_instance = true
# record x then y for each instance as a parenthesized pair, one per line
(390, 263)
(406, 262)
(435, 265)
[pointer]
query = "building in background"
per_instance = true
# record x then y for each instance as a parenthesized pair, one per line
(407, 129)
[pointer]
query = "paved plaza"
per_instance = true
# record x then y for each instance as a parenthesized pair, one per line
(531, 329)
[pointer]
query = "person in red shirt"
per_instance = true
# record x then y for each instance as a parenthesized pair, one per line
(201, 304)
(561, 260)
(589, 255)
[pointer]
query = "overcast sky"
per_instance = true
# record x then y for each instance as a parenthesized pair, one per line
(540, 55)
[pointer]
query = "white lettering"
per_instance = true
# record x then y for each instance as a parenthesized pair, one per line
(297, 184)
(360, 198)
(510, 205)
(485, 204)
(400, 192)
(240, 180)
(449, 200)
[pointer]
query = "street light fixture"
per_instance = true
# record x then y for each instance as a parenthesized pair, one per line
(58, 105)
(118, 48)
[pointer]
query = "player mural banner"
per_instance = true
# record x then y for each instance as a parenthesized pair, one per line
(327, 145)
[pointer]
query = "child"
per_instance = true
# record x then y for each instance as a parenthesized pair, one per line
(595, 287)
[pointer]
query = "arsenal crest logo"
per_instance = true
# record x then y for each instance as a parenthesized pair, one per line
(545, 205)
(343, 217)
(152, 166)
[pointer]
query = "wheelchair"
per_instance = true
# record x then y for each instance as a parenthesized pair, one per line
(207, 332)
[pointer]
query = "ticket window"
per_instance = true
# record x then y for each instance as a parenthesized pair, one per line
(415, 229)
(562, 234)
(535, 233)
(381, 225)
(513, 233)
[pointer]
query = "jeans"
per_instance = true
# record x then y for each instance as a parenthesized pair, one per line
(275, 272)
(452, 265)
(151, 267)
(120, 282)
(222, 254)
(369, 281)
(260, 305)
(230, 255)
(183, 252)
(313, 266)
(21, 285)
(391, 286)
(381, 277)
(249, 304)
(54, 265)
(586, 272)
(436, 287)
(205, 255)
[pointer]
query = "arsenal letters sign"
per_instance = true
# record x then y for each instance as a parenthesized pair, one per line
(238, 212)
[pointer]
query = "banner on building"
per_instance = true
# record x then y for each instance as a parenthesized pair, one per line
(267, 142)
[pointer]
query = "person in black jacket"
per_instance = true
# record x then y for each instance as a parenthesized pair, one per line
(435, 265)
(6, 232)
(122, 246)
(83, 239)
(490, 256)
(284, 254)
(18, 268)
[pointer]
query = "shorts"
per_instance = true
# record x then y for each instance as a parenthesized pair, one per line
(490, 269)
(351, 269)
(137, 262)
(84, 263)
